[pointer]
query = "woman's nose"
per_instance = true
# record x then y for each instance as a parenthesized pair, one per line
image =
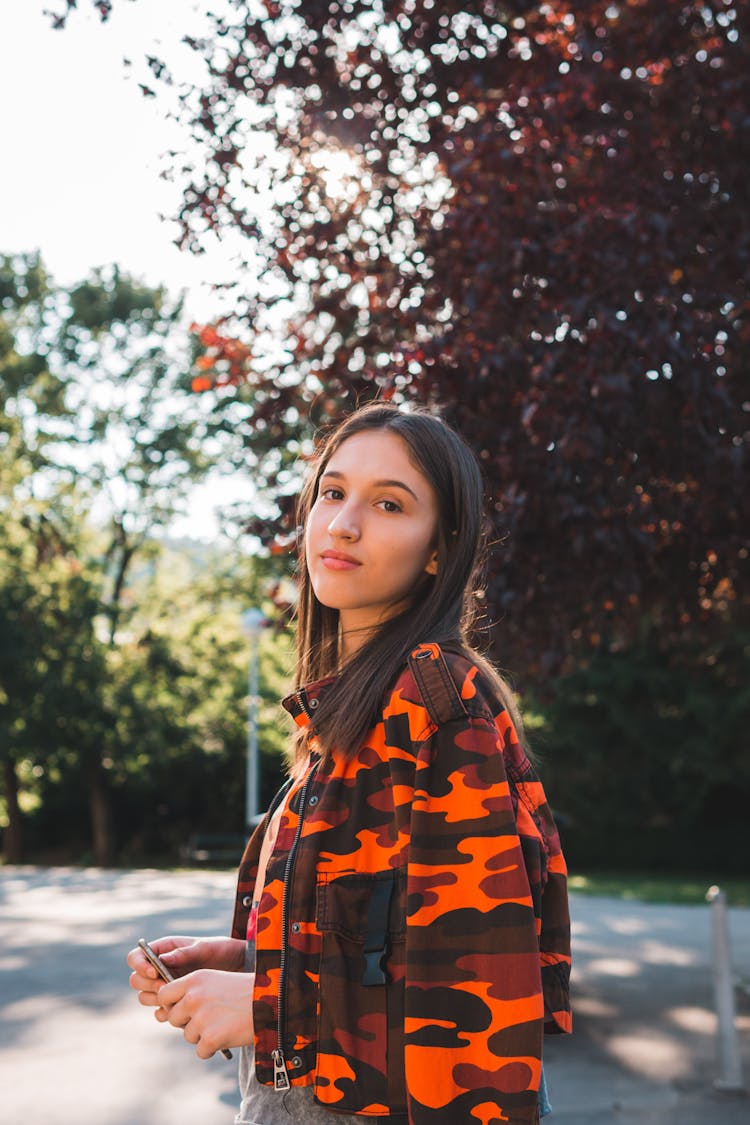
(345, 523)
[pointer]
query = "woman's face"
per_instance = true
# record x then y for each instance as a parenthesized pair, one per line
(371, 533)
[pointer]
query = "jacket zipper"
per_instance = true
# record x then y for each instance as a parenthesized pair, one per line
(280, 1074)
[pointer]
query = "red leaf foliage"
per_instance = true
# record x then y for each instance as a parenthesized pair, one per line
(533, 216)
(225, 361)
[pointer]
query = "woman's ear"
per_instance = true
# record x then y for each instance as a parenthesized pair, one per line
(432, 565)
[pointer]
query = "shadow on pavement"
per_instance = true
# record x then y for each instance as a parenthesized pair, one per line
(644, 1042)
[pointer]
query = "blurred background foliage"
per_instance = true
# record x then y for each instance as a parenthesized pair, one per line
(530, 216)
(644, 751)
(123, 668)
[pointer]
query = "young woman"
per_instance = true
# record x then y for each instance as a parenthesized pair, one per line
(401, 931)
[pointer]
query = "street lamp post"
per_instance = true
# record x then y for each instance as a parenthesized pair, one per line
(253, 623)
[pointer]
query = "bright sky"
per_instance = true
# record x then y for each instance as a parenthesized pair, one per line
(81, 145)
(81, 159)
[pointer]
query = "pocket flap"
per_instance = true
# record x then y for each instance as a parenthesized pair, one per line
(343, 904)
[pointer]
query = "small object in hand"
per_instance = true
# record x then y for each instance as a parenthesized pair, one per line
(165, 974)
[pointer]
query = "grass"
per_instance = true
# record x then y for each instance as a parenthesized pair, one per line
(669, 888)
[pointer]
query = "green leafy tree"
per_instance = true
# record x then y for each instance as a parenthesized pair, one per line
(142, 441)
(173, 724)
(645, 752)
(95, 413)
(52, 668)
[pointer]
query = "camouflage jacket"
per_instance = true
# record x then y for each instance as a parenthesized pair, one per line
(413, 938)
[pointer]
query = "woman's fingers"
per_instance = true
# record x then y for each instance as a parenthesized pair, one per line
(182, 955)
(144, 975)
(172, 948)
(146, 987)
(149, 997)
(145, 979)
(211, 1006)
(213, 1009)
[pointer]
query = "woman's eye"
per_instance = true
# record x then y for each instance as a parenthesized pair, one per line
(391, 506)
(331, 493)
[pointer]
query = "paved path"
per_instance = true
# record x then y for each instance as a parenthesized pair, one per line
(76, 1049)
(644, 1043)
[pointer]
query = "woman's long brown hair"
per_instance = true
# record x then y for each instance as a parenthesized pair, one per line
(443, 608)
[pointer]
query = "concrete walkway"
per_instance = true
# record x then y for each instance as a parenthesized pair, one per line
(76, 1048)
(644, 1043)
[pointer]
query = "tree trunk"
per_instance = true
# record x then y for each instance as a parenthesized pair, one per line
(101, 814)
(127, 550)
(13, 834)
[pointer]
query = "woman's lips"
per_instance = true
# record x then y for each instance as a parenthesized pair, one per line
(332, 560)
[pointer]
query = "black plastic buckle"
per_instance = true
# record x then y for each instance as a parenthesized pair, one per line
(374, 972)
(376, 936)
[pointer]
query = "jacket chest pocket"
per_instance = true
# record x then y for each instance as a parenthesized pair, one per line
(360, 1062)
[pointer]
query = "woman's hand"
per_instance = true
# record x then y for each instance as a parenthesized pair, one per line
(182, 955)
(213, 1007)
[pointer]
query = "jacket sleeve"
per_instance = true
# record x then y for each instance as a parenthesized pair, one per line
(547, 875)
(474, 1010)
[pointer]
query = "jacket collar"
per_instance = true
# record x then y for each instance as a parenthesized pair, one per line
(303, 703)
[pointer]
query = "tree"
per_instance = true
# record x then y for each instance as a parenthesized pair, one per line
(180, 693)
(52, 669)
(144, 440)
(95, 412)
(167, 716)
(532, 215)
(645, 753)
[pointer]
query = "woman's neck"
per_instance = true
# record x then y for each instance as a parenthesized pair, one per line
(354, 633)
(351, 641)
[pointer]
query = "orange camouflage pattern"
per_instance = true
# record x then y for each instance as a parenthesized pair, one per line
(441, 822)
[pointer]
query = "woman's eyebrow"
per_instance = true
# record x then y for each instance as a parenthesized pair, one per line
(375, 483)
